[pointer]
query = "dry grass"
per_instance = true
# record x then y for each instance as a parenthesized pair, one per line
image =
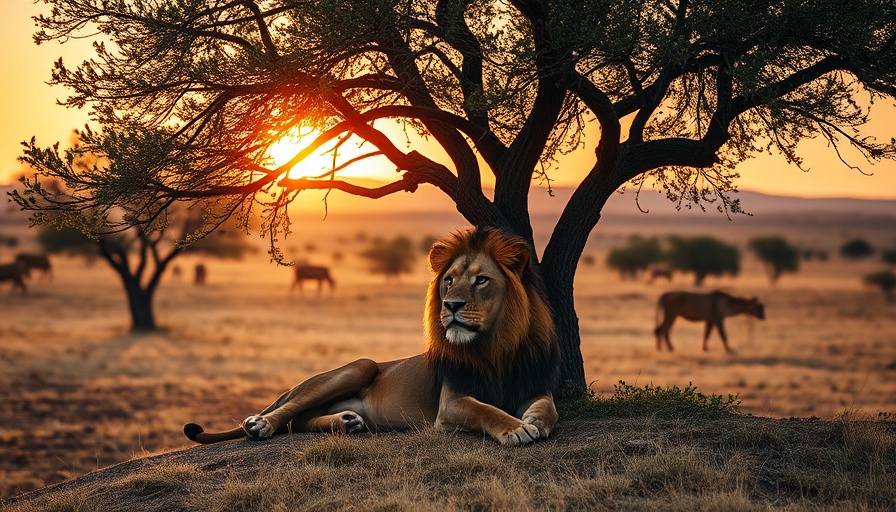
(589, 464)
(80, 393)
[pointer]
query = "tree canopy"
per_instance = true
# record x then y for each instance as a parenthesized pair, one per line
(679, 92)
(636, 256)
(856, 248)
(704, 256)
(390, 258)
(777, 254)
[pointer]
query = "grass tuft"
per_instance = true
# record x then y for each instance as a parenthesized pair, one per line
(163, 478)
(666, 403)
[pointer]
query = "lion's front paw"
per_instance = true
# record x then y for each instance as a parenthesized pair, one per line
(257, 427)
(523, 434)
(543, 432)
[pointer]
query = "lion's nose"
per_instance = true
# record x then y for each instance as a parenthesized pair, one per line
(453, 305)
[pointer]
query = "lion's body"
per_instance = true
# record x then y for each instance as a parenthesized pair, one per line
(711, 308)
(490, 364)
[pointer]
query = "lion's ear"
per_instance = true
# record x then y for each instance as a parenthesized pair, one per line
(438, 257)
(518, 257)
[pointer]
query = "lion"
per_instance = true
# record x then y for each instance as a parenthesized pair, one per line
(490, 363)
(712, 308)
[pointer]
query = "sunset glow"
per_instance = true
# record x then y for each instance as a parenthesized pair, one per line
(322, 161)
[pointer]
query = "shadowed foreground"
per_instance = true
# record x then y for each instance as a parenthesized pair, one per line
(732, 463)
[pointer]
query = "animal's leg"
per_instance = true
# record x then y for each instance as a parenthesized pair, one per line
(465, 412)
(540, 412)
(724, 336)
(314, 392)
(347, 422)
(662, 333)
(706, 332)
(667, 328)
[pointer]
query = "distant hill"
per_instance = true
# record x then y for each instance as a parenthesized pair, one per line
(756, 203)
(648, 205)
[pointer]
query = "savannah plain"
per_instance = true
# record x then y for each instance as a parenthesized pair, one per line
(79, 392)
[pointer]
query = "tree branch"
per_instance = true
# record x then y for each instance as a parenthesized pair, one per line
(450, 17)
(262, 29)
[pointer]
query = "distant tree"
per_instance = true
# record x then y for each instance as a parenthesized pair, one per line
(704, 256)
(885, 280)
(889, 256)
(391, 258)
(134, 237)
(588, 260)
(9, 241)
(777, 254)
(856, 249)
(639, 254)
(222, 243)
(426, 243)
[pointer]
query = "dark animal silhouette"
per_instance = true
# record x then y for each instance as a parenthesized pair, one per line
(659, 272)
(313, 273)
(709, 307)
(15, 272)
(199, 274)
(36, 262)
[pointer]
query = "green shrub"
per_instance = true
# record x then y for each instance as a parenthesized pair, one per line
(655, 401)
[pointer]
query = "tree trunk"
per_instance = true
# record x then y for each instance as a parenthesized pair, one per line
(566, 321)
(139, 304)
(559, 264)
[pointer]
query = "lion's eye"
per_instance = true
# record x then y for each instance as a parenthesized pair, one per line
(481, 280)
(449, 280)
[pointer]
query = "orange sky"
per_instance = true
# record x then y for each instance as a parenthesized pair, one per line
(29, 108)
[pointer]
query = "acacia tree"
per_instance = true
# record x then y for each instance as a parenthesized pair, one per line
(704, 256)
(777, 254)
(638, 255)
(681, 92)
(80, 195)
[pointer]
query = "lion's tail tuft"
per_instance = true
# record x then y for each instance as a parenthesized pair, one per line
(196, 433)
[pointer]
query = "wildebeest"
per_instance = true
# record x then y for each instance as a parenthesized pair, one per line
(199, 274)
(315, 273)
(15, 272)
(35, 262)
(659, 272)
(709, 307)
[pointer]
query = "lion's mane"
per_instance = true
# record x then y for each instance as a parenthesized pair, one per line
(519, 357)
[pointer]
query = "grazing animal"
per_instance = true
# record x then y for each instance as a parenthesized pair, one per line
(199, 274)
(15, 272)
(313, 273)
(659, 272)
(491, 358)
(709, 307)
(36, 262)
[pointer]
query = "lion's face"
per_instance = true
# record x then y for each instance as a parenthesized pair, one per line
(472, 290)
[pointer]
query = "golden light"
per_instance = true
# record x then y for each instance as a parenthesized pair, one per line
(322, 161)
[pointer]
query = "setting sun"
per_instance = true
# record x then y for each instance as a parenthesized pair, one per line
(322, 161)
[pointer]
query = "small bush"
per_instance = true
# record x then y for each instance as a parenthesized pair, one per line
(856, 249)
(885, 280)
(655, 401)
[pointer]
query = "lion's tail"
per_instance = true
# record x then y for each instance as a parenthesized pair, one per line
(196, 433)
